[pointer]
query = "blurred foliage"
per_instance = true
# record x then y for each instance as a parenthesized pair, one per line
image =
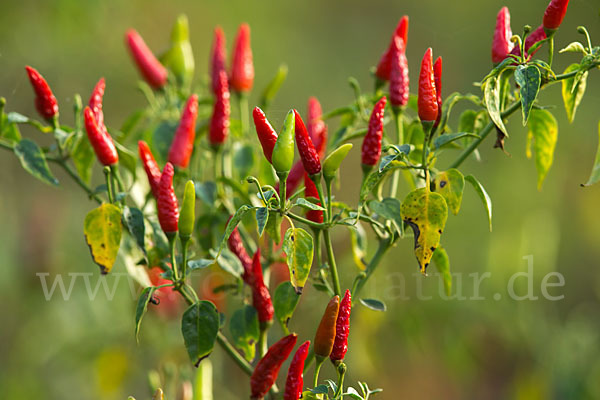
(434, 348)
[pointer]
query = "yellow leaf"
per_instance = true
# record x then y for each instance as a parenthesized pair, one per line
(102, 229)
(451, 185)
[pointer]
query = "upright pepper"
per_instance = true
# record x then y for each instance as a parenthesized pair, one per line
(537, 35)
(306, 149)
(265, 132)
(150, 166)
(333, 161)
(554, 14)
(261, 298)
(236, 245)
(180, 58)
(399, 82)
(151, 69)
(217, 59)
(283, 151)
(242, 69)
(326, 331)
(501, 45)
(166, 202)
(45, 102)
(317, 129)
(311, 191)
(437, 75)
(219, 122)
(95, 102)
(99, 139)
(183, 141)
(342, 329)
(188, 211)
(268, 367)
(428, 106)
(371, 146)
(384, 67)
(295, 381)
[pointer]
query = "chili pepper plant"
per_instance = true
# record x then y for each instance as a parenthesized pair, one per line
(244, 213)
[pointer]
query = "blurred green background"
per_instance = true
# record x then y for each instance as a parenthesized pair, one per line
(427, 349)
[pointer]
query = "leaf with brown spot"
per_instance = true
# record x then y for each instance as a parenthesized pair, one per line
(102, 229)
(426, 213)
(451, 185)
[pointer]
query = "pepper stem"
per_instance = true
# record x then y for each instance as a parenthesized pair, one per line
(550, 51)
(282, 190)
(320, 361)
(397, 111)
(332, 266)
(109, 184)
(341, 370)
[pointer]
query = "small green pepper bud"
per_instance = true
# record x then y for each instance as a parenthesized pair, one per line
(283, 152)
(180, 58)
(333, 160)
(187, 214)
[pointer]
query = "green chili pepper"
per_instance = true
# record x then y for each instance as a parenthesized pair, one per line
(187, 215)
(333, 160)
(283, 152)
(180, 58)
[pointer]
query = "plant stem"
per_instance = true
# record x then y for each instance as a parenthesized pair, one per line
(310, 223)
(550, 51)
(400, 139)
(332, 266)
(262, 340)
(232, 352)
(341, 370)
(384, 245)
(76, 178)
(317, 370)
(329, 202)
(109, 184)
(185, 241)
(317, 244)
(244, 117)
(172, 236)
(282, 190)
(482, 135)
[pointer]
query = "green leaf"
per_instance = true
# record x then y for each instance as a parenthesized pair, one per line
(273, 227)
(389, 209)
(529, 79)
(83, 158)
(449, 103)
(451, 185)
(245, 330)
(9, 131)
(358, 239)
(162, 138)
(200, 264)
(33, 161)
(243, 159)
(426, 213)
(443, 140)
(130, 123)
(544, 130)
(228, 262)
(298, 246)
(308, 205)
(485, 198)
(206, 191)
(142, 307)
(133, 219)
(16, 118)
(231, 225)
(374, 304)
(492, 102)
(442, 263)
(284, 302)
(126, 158)
(573, 93)
(199, 326)
(595, 175)
(273, 87)
(262, 217)
(321, 389)
(574, 47)
(102, 228)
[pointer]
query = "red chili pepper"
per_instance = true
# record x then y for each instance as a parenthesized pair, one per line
(151, 69)
(268, 367)
(501, 45)
(317, 129)
(536, 36)
(99, 139)
(183, 141)
(428, 106)
(293, 180)
(219, 122)
(437, 75)
(342, 329)
(326, 331)
(306, 149)
(261, 298)
(45, 102)
(218, 57)
(311, 191)
(236, 245)
(265, 132)
(166, 202)
(242, 69)
(384, 68)
(371, 146)
(295, 382)
(95, 102)
(399, 82)
(555, 13)
(150, 166)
